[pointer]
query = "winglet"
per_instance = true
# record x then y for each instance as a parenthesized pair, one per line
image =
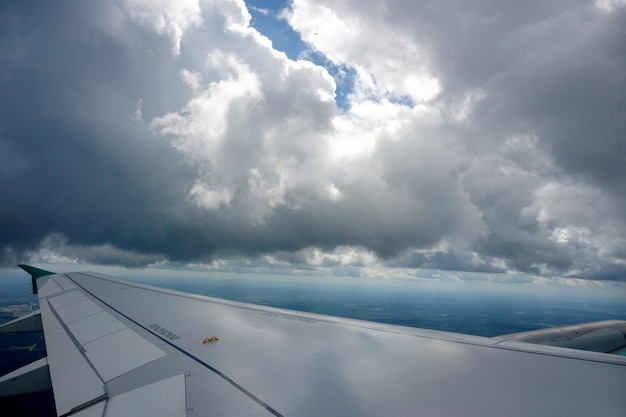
(34, 274)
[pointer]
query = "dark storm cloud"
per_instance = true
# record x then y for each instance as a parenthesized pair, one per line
(76, 162)
(555, 74)
(131, 134)
(536, 95)
(81, 162)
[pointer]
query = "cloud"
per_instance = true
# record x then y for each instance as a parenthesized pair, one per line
(391, 63)
(165, 17)
(103, 254)
(476, 136)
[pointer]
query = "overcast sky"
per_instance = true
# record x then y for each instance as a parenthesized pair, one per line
(477, 136)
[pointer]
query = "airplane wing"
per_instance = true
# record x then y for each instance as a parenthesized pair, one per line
(119, 348)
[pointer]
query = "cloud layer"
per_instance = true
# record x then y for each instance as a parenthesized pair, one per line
(477, 135)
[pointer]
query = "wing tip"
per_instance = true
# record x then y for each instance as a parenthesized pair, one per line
(35, 273)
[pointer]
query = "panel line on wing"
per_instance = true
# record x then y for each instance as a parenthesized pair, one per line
(95, 327)
(86, 405)
(64, 282)
(94, 410)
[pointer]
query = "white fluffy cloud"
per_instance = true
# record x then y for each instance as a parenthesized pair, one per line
(388, 62)
(476, 136)
(165, 17)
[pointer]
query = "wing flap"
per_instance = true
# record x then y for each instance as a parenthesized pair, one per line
(120, 352)
(67, 366)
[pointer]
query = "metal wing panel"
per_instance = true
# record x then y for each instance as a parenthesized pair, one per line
(165, 398)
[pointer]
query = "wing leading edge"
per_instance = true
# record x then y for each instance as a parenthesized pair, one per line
(120, 348)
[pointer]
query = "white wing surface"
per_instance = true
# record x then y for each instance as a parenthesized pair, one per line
(118, 348)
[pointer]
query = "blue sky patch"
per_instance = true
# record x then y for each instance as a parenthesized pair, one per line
(266, 19)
